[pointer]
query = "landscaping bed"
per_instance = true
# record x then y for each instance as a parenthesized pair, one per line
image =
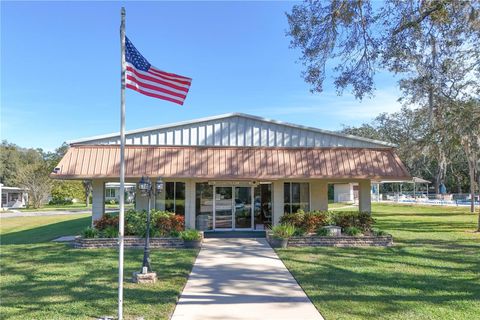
(328, 229)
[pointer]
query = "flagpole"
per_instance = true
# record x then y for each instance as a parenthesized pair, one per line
(122, 169)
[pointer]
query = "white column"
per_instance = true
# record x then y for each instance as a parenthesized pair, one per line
(364, 196)
(98, 199)
(319, 195)
(278, 204)
(190, 204)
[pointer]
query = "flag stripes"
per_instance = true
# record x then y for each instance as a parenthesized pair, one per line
(142, 77)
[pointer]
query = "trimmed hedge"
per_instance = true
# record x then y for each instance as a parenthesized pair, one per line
(310, 222)
(162, 224)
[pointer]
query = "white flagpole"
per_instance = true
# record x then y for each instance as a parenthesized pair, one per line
(122, 171)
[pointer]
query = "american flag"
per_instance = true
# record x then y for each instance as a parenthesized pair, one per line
(153, 82)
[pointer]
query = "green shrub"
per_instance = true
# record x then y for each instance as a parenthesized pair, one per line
(365, 221)
(162, 223)
(294, 219)
(322, 232)
(283, 231)
(346, 219)
(109, 232)
(190, 235)
(308, 221)
(313, 221)
(379, 233)
(166, 222)
(175, 234)
(107, 220)
(58, 200)
(299, 232)
(352, 231)
(90, 232)
(135, 223)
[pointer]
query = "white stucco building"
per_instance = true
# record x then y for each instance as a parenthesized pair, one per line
(234, 171)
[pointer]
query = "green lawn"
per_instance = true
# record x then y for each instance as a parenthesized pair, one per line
(80, 206)
(432, 272)
(44, 280)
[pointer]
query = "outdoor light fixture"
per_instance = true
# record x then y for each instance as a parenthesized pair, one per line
(159, 185)
(147, 189)
(145, 186)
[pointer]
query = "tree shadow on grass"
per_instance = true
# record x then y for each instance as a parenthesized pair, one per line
(55, 281)
(46, 232)
(389, 278)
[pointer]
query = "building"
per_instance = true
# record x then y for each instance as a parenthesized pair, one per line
(234, 171)
(112, 192)
(13, 197)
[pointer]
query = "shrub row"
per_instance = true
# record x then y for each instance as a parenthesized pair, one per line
(309, 222)
(162, 224)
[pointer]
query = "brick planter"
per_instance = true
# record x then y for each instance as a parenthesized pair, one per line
(130, 242)
(340, 241)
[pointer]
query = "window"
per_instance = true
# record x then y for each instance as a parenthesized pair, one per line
(110, 193)
(296, 196)
(172, 198)
(203, 206)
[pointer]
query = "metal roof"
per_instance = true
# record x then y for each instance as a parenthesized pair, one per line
(102, 161)
(228, 115)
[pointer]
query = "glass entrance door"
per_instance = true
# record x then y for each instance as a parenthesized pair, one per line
(223, 208)
(243, 207)
(233, 208)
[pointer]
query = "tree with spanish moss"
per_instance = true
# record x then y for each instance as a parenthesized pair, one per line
(432, 45)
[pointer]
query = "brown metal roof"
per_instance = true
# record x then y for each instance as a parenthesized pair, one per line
(102, 161)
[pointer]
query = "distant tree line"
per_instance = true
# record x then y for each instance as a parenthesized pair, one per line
(30, 169)
(409, 130)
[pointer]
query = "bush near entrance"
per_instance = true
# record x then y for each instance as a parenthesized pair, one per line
(162, 224)
(310, 222)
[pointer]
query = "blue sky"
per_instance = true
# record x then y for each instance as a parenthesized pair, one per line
(60, 68)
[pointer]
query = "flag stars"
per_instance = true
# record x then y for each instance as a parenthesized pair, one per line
(133, 56)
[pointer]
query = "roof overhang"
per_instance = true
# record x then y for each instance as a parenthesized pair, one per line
(231, 163)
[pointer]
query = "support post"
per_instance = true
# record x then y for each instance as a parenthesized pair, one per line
(278, 202)
(319, 194)
(98, 199)
(364, 196)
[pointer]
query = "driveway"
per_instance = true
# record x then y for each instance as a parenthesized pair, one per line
(235, 279)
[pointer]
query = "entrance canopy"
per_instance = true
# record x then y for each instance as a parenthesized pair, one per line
(227, 163)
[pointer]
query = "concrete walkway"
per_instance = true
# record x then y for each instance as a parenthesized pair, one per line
(235, 279)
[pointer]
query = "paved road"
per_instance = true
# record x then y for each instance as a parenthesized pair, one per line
(235, 279)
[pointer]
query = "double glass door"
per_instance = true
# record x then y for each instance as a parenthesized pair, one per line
(233, 208)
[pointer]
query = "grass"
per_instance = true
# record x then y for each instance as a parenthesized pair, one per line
(79, 206)
(342, 206)
(45, 280)
(432, 272)
(25, 230)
